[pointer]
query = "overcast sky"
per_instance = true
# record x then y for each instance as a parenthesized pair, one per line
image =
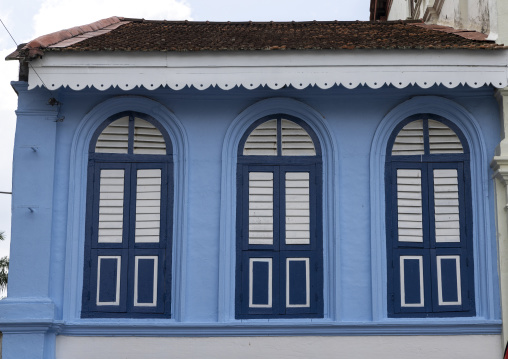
(28, 19)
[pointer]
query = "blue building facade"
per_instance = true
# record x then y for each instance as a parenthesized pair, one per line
(195, 288)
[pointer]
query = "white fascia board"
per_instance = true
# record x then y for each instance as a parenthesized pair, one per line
(275, 69)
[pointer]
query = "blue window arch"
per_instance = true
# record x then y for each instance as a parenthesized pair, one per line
(429, 220)
(279, 247)
(128, 244)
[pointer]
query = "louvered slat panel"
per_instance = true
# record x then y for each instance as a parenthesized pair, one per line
(148, 140)
(297, 208)
(111, 206)
(114, 138)
(262, 141)
(261, 208)
(443, 139)
(295, 140)
(148, 206)
(409, 205)
(409, 140)
(446, 202)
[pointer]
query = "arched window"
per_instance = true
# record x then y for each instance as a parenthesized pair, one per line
(279, 221)
(429, 220)
(127, 267)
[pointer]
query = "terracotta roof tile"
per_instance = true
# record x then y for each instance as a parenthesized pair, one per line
(146, 35)
(36, 47)
(468, 34)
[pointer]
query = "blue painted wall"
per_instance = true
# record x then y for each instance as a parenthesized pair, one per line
(47, 245)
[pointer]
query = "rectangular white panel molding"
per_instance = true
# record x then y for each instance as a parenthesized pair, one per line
(409, 140)
(114, 138)
(117, 282)
(402, 282)
(269, 282)
(446, 205)
(148, 206)
(148, 139)
(307, 283)
(295, 140)
(261, 208)
(297, 208)
(262, 141)
(443, 139)
(136, 281)
(111, 209)
(439, 260)
(409, 205)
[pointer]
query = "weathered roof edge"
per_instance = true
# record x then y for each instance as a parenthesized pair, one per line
(468, 34)
(34, 48)
(68, 37)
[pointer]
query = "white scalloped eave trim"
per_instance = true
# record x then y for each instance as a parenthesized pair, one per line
(275, 71)
(274, 85)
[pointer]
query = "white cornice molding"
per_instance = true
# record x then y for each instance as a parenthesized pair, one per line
(277, 69)
(499, 165)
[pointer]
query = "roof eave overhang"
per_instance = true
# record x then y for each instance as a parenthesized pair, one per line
(273, 69)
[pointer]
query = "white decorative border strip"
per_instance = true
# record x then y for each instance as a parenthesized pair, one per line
(251, 282)
(307, 283)
(136, 281)
(440, 281)
(117, 281)
(402, 282)
(299, 69)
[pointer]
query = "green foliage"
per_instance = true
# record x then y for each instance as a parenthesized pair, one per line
(4, 268)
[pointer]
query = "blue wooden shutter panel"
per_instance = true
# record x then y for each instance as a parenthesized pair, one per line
(124, 277)
(295, 286)
(444, 255)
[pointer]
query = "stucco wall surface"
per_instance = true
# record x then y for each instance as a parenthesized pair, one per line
(502, 21)
(461, 14)
(206, 116)
(448, 13)
(47, 253)
(399, 10)
(419, 347)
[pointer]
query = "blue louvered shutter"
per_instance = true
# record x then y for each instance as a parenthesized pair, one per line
(127, 270)
(429, 223)
(279, 247)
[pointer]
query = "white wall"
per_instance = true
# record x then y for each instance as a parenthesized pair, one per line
(502, 21)
(399, 10)
(380, 347)
(447, 13)
(460, 14)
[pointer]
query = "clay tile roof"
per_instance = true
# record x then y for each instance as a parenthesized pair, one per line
(121, 34)
(62, 38)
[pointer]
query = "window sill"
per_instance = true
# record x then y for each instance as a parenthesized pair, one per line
(158, 328)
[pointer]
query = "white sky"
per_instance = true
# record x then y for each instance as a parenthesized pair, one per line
(27, 19)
